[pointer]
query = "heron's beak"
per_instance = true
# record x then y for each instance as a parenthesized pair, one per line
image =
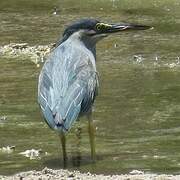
(124, 27)
(103, 28)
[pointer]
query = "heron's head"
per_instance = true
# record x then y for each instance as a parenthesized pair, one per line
(92, 30)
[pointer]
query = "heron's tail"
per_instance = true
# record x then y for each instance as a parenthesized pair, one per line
(48, 116)
(69, 108)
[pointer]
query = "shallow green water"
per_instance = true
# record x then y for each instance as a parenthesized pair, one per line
(137, 112)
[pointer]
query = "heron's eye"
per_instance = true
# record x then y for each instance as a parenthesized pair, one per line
(102, 26)
(98, 26)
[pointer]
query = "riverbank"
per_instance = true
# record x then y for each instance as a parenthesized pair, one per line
(50, 174)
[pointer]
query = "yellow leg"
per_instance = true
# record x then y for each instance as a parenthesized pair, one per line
(63, 142)
(91, 130)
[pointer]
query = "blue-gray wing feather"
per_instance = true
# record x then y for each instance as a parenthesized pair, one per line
(67, 87)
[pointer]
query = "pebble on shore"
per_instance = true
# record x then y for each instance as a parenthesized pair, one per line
(49, 174)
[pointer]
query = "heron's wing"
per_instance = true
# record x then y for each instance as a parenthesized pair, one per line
(45, 92)
(68, 87)
(79, 96)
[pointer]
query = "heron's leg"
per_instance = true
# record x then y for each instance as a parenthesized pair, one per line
(63, 142)
(77, 153)
(91, 130)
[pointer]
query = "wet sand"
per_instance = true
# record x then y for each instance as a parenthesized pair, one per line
(49, 174)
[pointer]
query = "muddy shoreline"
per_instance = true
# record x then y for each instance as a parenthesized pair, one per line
(50, 174)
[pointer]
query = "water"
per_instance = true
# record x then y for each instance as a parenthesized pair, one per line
(137, 112)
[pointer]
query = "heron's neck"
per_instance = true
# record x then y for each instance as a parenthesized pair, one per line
(87, 42)
(91, 47)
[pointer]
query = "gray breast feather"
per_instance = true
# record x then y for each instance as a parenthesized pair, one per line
(67, 87)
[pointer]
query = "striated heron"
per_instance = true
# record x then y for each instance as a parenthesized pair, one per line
(68, 82)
